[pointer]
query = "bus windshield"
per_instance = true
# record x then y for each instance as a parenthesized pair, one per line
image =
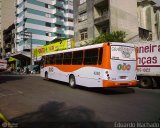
(121, 52)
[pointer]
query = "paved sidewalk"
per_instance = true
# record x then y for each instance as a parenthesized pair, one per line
(6, 73)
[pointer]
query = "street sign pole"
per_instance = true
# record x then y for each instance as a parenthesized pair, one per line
(28, 35)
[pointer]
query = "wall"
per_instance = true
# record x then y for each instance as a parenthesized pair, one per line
(123, 16)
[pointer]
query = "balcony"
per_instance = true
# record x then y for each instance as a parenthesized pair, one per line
(98, 2)
(60, 31)
(59, 22)
(102, 18)
(82, 7)
(59, 4)
(59, 13)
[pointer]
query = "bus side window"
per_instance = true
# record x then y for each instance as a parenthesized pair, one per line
(53, 59)
(91, 56)
(42, 62)
(67, 58)
(50, 59)
(77, 57)
(46, 59)
(59, 58)
(100, 56)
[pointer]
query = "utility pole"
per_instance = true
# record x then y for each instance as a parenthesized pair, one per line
(28, 35)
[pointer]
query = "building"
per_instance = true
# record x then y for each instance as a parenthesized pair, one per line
(92, 17)
(7, 18)
(9, 40)
(149, 20)
(45, 20)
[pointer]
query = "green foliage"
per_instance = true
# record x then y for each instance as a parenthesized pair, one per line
(116, 36)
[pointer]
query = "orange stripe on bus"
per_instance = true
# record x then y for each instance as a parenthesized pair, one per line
(71, 68)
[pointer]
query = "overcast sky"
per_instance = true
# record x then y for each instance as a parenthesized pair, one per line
(158, 2)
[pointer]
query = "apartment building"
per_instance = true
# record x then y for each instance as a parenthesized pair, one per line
(92, 17)
(7, 18)
(45, 20)
(149, 19)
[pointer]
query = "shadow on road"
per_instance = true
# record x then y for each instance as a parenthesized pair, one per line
(110, 91)
(58, 115)
(105, 91)
(4, 79)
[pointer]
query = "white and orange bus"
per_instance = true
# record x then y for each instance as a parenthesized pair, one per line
(101, 65)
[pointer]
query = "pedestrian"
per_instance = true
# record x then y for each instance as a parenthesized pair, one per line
(27, 70)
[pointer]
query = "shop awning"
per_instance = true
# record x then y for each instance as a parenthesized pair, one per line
(21, 55)
(11, 59)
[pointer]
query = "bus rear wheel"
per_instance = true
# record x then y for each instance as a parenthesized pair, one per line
(72, 81)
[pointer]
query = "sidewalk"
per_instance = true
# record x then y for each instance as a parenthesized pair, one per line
(7, 73)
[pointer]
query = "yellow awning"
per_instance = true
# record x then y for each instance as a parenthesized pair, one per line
(11, 59)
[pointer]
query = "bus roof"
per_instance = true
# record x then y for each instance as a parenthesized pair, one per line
(89, 47)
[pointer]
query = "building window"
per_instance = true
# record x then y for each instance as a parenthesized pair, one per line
(58, 26)
(47, 42)
(69, 11)
(48, 15)
(70, 19)
(60, 9)
(48, 34)
(82, 16)
(103, 29)
(47, 6)
(69, 28)
(83, 35)
(48, 24)
(82, 1)
(60, 18)
(145, 34)
(58, 35)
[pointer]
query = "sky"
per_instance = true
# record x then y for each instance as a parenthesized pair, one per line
(158, 2)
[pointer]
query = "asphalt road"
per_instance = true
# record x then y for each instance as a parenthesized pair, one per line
(26, 99)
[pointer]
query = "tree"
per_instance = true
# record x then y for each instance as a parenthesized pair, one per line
(116, 36)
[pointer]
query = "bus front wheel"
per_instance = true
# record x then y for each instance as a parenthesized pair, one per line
(46, 76)
(72, 81)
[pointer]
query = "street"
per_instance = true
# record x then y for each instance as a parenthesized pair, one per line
(25, 99)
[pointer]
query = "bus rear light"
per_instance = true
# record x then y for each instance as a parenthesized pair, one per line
(106, 72)
(107, 75)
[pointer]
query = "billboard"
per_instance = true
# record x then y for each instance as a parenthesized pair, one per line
(57, 46)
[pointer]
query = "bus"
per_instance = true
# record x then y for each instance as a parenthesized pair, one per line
(110, 64)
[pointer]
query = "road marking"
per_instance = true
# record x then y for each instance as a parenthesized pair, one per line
(7, 92)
